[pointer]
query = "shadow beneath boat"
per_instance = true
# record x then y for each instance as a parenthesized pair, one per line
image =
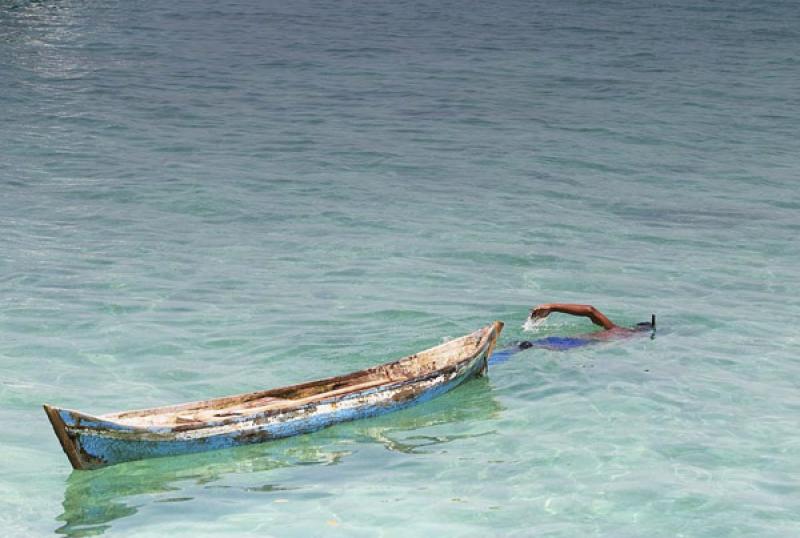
(93, 500)
(470, 403)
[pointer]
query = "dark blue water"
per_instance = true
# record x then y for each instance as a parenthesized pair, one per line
(206, 198)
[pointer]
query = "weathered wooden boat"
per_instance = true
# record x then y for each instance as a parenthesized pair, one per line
(96, 441)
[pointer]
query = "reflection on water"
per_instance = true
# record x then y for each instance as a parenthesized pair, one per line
(470, 402)
(93, 500)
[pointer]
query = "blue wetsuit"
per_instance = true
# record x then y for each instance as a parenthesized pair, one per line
(554, 343)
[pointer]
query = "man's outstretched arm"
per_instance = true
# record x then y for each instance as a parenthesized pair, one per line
(597, 317)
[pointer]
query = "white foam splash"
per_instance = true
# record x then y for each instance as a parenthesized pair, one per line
(532, 323)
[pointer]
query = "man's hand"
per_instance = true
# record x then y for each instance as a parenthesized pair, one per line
(586, 310)
(540, 312)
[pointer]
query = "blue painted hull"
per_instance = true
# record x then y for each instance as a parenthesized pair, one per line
(92, 442)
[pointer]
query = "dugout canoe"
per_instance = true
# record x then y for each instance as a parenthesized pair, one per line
(91, 442)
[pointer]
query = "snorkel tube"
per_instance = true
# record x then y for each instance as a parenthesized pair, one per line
(644, 326)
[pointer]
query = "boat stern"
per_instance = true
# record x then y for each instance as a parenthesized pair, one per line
(492, 334)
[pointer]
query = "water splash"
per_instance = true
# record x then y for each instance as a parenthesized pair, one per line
(531, 324)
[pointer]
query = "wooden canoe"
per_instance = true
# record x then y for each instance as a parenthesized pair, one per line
(96, 441)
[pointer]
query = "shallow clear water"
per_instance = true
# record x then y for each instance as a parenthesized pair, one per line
(207, 198)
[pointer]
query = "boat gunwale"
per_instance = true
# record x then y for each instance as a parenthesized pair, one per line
(166, 433)
(484, 342)
(171, 433)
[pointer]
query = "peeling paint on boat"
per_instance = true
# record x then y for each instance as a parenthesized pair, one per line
(92, 442)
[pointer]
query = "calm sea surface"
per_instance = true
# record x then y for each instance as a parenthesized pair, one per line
(205, 198)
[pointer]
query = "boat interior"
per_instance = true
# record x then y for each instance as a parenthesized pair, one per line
(196, 414)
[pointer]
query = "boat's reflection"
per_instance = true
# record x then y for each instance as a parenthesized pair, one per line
(95, 499)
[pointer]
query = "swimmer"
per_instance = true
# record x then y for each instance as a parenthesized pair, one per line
(611, 331)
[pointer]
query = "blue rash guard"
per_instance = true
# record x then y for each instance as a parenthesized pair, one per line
(553, 343)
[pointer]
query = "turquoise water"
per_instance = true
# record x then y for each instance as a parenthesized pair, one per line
(207, 198)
